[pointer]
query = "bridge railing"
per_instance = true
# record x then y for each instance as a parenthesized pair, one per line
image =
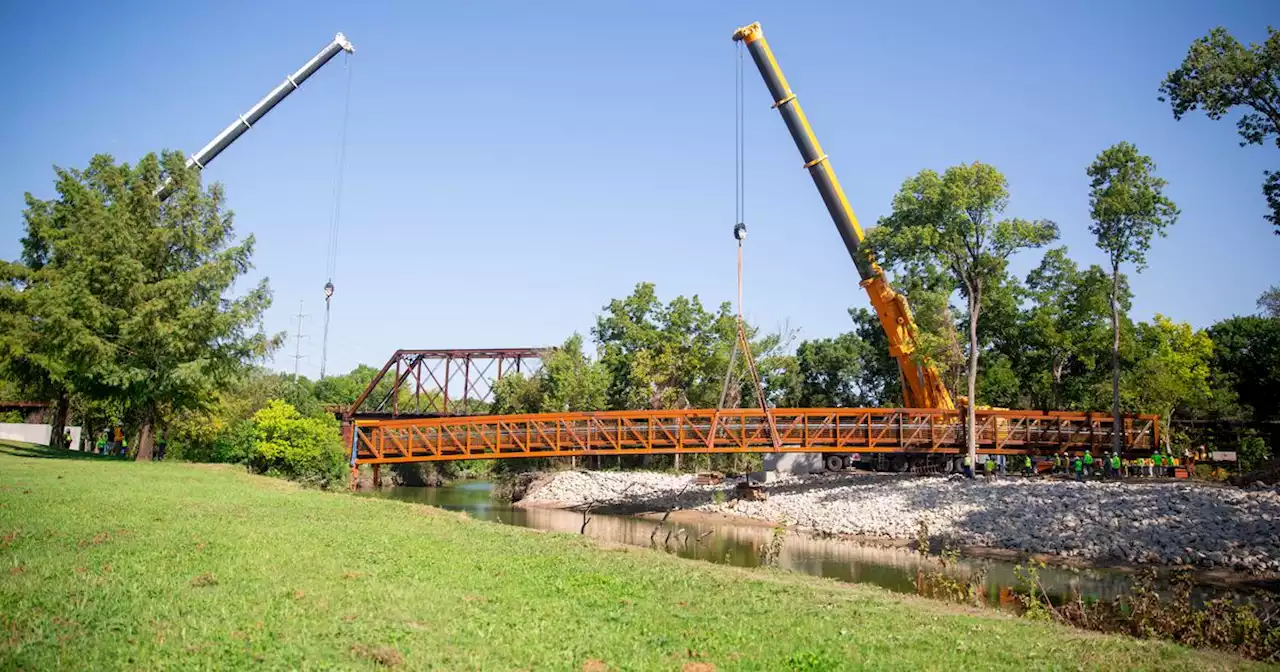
(850, 430)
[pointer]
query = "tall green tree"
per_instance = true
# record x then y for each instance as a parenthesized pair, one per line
(952, 223)
(1220, 74)
(132, 297)
(1128, 208)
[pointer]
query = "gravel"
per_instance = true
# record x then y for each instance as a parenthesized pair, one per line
(1151, 523)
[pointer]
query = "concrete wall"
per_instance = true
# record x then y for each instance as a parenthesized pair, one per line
(794, 463)
(38, 434)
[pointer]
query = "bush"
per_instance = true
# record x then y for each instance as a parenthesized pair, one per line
(302, 448)
(235, 443)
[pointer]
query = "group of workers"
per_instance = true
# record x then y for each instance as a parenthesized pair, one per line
(1084, 465)
(112, 442)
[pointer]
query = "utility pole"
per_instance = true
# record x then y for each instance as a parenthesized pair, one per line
(297, 348)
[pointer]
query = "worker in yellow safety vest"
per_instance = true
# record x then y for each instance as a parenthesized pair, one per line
(989, 467)
(1115, 465)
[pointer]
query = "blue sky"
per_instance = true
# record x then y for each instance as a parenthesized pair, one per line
(513, 166)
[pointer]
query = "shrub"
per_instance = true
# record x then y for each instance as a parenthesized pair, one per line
(235, 443)
(302, 448)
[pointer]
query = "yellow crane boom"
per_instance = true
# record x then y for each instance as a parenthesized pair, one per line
(923, 386)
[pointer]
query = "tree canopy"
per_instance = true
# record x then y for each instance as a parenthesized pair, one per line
(953, 224)
(130, 298)
(1218, 75)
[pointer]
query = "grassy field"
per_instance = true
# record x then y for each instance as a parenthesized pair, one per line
(107, 564)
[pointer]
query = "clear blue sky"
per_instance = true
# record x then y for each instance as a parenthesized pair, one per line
(513, 166)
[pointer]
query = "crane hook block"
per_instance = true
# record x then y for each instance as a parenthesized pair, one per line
(740, 231)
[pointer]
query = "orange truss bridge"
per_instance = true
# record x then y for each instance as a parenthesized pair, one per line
(841, 430)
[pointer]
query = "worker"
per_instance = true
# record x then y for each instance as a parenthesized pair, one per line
(1026, 465)
(124, 447)
(1057, 462)
(66, 439)
(1077, 465)
(989, 467)
(1115, 465)
(1088, 463)
(102, 444)
(968, 467)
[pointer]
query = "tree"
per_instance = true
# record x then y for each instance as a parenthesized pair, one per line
(664, 356)
(1246, 359)
(131, 297)
(951, 224)
(1220, 74)
(881, 382)
(572, 381)
(1170, 372)
(1066, 331)
(307, 449)
(1128, 208)
(1269, 302)
(830, 370)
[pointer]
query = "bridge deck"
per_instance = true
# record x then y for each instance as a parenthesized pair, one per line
(850, 430)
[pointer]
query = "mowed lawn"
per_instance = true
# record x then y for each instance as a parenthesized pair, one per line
(107, 564)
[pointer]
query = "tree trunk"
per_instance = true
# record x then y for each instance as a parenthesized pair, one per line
(1116, 423)
(1057, 383)
(146, 435)
(58, 425)
(971, 419)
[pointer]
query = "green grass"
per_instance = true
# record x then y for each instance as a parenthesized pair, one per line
(108, 564)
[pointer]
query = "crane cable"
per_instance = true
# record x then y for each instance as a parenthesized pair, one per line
(740, 233)
(331, 257)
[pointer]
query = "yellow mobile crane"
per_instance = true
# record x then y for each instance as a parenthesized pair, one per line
(923, 386)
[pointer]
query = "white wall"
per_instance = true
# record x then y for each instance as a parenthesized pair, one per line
(39, 434)
(794, 463)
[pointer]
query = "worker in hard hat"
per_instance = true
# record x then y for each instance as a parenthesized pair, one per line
(1026, 465)
(1088, 463)
(1077, 465)
(989, 468)
(1057, 462)
(1115, 465)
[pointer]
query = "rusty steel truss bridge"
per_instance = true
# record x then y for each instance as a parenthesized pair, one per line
(419, 413)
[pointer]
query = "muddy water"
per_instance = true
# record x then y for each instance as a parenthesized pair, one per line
(743, 545)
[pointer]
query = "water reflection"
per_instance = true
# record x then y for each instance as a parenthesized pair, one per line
(743, 545)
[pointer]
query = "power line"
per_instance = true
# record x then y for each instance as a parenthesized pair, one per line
(297, 348)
